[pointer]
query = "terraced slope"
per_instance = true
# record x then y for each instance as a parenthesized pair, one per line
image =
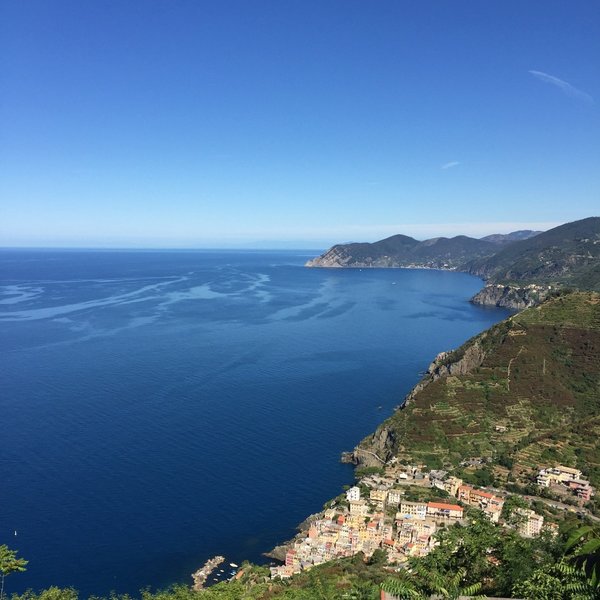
(526, 392)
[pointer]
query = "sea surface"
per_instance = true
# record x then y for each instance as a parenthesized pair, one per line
(161, 407)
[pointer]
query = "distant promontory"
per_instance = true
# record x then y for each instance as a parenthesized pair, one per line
(520, 268)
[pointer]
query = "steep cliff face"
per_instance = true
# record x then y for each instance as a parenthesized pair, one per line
(337, 256)
(457, 362)
(507, 296)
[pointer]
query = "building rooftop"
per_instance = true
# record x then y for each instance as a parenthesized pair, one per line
(443, 506)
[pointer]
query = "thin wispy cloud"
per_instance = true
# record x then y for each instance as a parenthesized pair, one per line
(565, 87)
(449, 165)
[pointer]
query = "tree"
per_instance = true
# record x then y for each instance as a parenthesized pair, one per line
(467, 548)
(510, 504)
(9, 563)
(561, 581)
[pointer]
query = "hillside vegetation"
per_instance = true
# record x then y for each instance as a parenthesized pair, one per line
(567, 255)
(404, 251)
(529, 396)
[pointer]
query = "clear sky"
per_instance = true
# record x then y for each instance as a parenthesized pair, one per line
(200, 123)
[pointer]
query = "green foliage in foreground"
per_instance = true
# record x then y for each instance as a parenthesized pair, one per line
(421, 584)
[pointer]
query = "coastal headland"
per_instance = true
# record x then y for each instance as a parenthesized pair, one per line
(520, 269)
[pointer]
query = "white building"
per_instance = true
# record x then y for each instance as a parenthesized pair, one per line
(394, 497)
(558, 474)
(353, 494)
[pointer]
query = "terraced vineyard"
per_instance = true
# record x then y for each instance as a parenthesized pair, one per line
(533, 400)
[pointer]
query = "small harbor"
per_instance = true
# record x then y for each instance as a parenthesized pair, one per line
(202, 574)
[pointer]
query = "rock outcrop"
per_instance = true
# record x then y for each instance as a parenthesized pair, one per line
(278, 553)
(334, 257)
(507, 296)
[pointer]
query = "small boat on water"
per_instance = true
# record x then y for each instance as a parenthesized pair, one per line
(233, 565)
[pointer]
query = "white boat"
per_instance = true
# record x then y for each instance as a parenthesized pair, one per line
(233, 565)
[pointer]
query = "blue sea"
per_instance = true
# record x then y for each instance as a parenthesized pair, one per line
(161, 407)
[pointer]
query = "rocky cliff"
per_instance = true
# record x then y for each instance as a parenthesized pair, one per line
(337, 256)
(507, 296)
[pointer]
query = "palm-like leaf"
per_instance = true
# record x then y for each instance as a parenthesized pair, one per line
(403, 588)
(583, 550)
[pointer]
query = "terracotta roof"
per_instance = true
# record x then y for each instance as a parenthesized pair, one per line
(442, 506)
(484, 494)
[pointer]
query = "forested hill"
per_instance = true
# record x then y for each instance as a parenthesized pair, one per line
(404, 251)
(507, 238)
(525, 393)
(567, 255)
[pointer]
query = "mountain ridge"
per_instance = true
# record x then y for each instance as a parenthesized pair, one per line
(400, 250)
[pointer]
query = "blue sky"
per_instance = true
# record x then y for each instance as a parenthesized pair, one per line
(223, 123)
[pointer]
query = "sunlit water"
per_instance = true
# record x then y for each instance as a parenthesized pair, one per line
(158, 408)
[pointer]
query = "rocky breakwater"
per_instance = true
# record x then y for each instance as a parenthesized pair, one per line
(379, 447)
(512, 297)
(201, 575)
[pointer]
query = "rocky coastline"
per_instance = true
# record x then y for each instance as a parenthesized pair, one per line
(512, 297)
(278, 553)
(497, 295)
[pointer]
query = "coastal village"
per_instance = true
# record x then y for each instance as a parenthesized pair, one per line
(378, 514)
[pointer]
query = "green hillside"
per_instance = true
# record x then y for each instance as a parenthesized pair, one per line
(567, 255)
(534, 399)
(404, 251)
